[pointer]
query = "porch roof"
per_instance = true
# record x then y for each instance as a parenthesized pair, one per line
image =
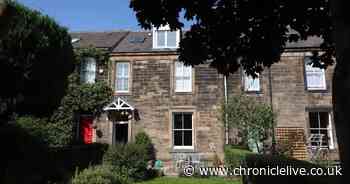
(118, 104)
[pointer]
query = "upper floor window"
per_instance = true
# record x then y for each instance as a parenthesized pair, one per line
(122, 77)
(321, 131)
(315, 77)
(88, 70)
(182, 130)
(164, 38)
(251, 84)
(183, 77)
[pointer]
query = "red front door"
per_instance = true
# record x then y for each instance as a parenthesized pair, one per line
(86, 129)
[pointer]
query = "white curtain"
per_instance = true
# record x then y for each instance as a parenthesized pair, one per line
(183, 77)
(251, 84)
(315, 77)
(88, 70)
(122, 77)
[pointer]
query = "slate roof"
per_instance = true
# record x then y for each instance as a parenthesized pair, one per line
(133, 42)
(98, 39)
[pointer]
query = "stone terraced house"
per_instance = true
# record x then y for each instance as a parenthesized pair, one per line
(177, 105)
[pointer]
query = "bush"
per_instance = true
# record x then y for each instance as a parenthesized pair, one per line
(265, 161)
(80, 156)
(143, 139)
(103, 174)
(132, 157)
(52, 134)
(24, 159)
(234, 157)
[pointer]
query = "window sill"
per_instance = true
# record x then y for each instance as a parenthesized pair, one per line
(253, 92)
(182, 150)
(184, 92)
(122, 93)
(317, 90)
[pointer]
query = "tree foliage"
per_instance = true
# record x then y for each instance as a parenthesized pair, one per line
(57, 129)
(230, 34)
(82, 98)
(253, 120)
(36, 56)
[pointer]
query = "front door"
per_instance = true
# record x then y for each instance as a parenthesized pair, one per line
(121, 133)
(86, 129)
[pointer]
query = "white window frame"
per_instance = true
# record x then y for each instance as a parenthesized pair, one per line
(183, 129)
(250, 88)
(116, 77)
(182, 75)
(84, 72)
(309, 70)
(166, 29)
(329, 128)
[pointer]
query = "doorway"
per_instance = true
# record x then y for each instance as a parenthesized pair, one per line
(86, 129)
(121, 133)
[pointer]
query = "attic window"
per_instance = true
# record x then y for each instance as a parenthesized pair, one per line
(136, 39)
(163, 37)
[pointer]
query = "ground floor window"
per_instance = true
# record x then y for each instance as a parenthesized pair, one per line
(321, 131)
(182, 130)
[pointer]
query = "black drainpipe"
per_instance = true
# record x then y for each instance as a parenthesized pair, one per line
(273, 119)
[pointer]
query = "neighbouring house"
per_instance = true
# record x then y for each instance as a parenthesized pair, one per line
(177, 105)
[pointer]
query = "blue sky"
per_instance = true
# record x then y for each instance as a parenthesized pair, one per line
(88, 15)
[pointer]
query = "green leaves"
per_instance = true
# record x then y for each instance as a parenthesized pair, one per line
(101, 56)
(253, 120)
(36, 56)
(57, 128)
(240, 33)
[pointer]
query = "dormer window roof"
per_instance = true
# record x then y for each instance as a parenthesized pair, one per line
(163, 38)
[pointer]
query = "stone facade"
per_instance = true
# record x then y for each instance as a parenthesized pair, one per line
(151, 92)
(291, 100)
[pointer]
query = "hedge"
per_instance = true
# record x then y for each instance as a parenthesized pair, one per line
(25, 159)
(131, 157)
(235, 156)
(264, 161)
(101, 174)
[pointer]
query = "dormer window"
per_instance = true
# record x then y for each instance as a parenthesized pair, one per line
(164, 38)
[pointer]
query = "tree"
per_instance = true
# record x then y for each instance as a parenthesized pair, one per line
(253, 120)
(2, 6)
(252, 34)
(36, 57)
(341, 78)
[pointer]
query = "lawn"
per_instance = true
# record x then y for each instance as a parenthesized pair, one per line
(191, 180)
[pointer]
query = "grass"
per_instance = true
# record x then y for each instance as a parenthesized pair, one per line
(190, 180)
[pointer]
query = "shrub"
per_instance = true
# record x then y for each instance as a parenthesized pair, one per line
(271, 161)
(52, 134)
(253, 120)
(132, 157)
(78, 156)
(24, 159)
(102, 174)
(143, 139)
(234, 156)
